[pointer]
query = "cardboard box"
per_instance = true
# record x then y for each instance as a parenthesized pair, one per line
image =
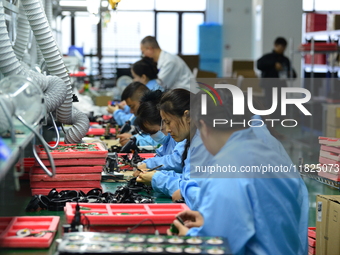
(332, 131)
(333, 115)
(102, 100)
(328, 225)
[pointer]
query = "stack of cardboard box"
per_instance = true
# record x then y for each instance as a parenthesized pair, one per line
(333, 121)
(328, 225)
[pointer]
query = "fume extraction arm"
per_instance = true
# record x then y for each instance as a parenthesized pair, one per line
(56, 89)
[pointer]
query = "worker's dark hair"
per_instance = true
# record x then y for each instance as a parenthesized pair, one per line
(151, 42)
(134, 91)
(148, 112)
(176, 102)
(225, 111)
(146, 66)
(280, 41)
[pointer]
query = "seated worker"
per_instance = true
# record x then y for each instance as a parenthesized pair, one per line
(149, 120)
(131, 95)
(174, 110)
(145, 71)
(258, 213)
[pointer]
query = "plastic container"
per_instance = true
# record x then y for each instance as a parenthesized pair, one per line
(45, 192)
(76, 162)
(99, 131)
(71, 151)
(69, 169)
(65, 184)
(9, 237)
(127, 214)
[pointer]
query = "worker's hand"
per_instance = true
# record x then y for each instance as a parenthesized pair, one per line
(146, 177)
(142, 166)
(112, 109)
(176, 195)
(124, 138)
(191, 219)
(122, 105)
(278, 66)
(182, 230)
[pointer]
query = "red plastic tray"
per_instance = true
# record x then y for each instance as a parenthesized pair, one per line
(46, 191)
(330, 149)
(28, 164)
(76, 162)
(330, 176)
(331, 141)
(65, 177)
(65, 184)
(312, 232)
(311, 242)
(158, 213)
(70, 169)
(99, 131)
(99, 152)
(8, 237)
(311, 250)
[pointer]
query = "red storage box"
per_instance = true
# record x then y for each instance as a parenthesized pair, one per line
(65, 177)
(312, 232)
(69, 169)
(76, 162)
(9, 238)
(99, 131)
(311, 242)
(311, 250)
(75, 151)
(65, 184)
(28, 163)
(45, 192)
(126, 214)
(316, 22)
(319, 59)
(319, 46)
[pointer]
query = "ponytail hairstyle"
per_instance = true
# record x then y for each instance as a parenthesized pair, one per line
(146, 66)
(176, 102)
(148, 113)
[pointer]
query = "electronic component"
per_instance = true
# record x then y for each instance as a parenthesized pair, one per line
(107, 243)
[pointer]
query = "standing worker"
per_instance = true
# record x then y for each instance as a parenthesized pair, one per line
(173, 71)
(278, 67)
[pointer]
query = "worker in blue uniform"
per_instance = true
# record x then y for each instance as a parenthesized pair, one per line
(149, 120)
(132, 95)
(174, 109)
(259, 212)
(145, 71)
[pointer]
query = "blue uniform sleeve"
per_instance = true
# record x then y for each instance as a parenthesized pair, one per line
(242, 214)
(166, 182)
(145, 140)
(171, 161)
(190, 192)
(126, 109)
(121, 117)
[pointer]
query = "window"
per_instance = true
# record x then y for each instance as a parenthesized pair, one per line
(190, 23)
(180, 5)
(167, 36)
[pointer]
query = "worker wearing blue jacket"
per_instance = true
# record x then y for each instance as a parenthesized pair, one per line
(149, 120)
(174, 109)
(132, 95)
(258, 212)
